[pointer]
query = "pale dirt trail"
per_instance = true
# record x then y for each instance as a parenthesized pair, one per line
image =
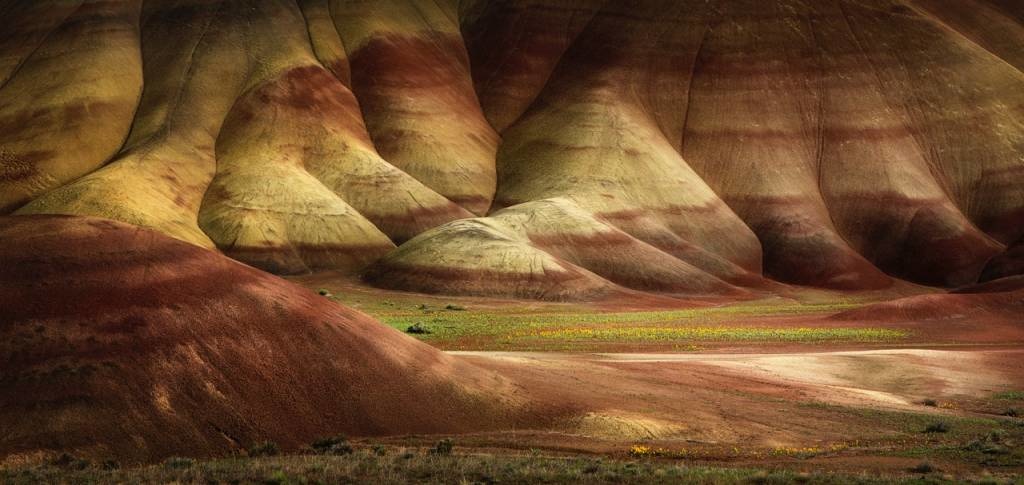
(888, 376)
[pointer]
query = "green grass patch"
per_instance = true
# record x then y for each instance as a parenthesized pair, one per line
(715, 334)
(418, 466)
(1009, 396)
(572, 329)
(976, 440)
(451, 324)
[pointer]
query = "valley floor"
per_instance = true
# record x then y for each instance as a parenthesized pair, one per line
(775, 390)
(387, 465)
(773, 383)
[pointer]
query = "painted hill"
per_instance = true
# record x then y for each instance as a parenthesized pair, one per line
(1000, 300)
(120, 341)
(685, 147)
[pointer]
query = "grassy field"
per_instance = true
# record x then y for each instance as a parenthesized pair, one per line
(416, 466)
(457, 327)
(712, 334)
(934, 449)
(931, 449)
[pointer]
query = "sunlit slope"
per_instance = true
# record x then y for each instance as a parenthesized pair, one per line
(253, 147)
(70, 79)
(159, 177)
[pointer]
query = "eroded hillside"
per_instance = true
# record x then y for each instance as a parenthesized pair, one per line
(550, 149)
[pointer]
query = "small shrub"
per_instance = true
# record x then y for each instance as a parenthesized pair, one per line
(417, 328)
(923, 467)
(990, 444)
(266, 448)
(110, 465)
(380, 450)
(443, 447)
(179, 463)
(930, 403)
(937, 427)
(337, 445)
(324, 292)
(1012, 412)
(422, 306)
(455, 308)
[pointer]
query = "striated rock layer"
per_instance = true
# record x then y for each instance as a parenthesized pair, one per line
(118, 341)
(676, 146)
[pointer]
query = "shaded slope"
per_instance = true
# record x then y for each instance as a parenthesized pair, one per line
(119, 341)
(515, 45)
(969, 127)
(832, 165)
(750, 82)
(1009, 263)
(1001, 299)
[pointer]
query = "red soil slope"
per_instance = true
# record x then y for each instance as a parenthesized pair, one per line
(121, 341)
(1009, 263)
(1001, 299)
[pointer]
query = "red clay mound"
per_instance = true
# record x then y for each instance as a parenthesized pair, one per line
(1009, 283)
(120, 341)
(1010, 263)
(1001, 299)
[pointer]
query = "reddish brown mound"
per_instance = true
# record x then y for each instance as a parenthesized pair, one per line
(1000, 299)
(120, 341)
(1009, 263)
(1009, 283)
